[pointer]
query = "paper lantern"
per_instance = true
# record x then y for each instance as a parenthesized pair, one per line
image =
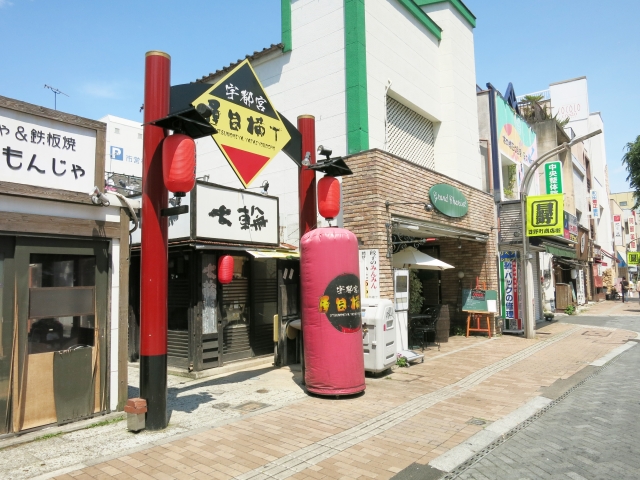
(225, 269)
(179, 163)
(329, 197)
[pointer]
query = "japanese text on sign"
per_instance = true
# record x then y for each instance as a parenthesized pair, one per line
(544, 215)
(370, 273)
(553, 177)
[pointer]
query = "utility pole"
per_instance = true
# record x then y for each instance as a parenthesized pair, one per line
(56, 92)
(528, 320)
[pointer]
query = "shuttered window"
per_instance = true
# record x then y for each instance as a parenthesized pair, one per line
(409, 135)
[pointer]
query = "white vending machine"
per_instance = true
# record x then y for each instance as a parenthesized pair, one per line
(378, 334)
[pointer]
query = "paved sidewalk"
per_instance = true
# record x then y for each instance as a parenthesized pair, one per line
(591, 434)
(407, 418)
(613, 308)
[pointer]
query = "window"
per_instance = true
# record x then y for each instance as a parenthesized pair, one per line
(623, 204)
(61, 302)
(409, 135)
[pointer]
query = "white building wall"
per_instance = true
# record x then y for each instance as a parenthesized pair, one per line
(309, 80)
(457, 144)
(125, 135)
(400, 50)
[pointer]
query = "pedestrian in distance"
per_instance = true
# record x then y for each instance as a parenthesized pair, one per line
(624, 287)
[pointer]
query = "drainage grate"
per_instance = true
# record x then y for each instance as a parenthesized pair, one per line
(250, 406)
(591, 333)
(221, 406)
(492, 446)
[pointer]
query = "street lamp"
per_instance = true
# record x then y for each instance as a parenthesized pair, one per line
(528, 322)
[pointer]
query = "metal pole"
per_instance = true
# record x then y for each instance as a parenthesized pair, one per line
(307, 179)
(154, 250)
(528, 321)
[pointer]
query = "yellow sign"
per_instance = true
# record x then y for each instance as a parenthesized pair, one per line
(250, 131)
(545, 215)
(633, 258)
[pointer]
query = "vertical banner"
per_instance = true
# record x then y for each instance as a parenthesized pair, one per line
(595, 208)
(632, 232)
(509, 291)
(553, 177)
(617, 229)
(580, 294)
(369, 273)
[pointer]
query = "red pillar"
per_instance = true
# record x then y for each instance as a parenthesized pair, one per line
(154, 250)
(307, 179)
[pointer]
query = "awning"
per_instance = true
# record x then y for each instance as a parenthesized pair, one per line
(558, 250)
(273, 254)
(621, 262)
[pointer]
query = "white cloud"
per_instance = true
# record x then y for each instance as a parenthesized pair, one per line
(5, 3)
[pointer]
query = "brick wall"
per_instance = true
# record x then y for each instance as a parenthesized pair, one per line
(378, 177)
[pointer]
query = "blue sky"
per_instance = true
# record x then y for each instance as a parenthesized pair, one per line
(94, 51)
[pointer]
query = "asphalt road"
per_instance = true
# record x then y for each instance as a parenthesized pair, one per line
(593, 433)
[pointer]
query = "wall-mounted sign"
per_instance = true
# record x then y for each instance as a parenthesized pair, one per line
(553, 177)
(46, 153)
(516, 139)
(595, 208)
(179, 226)
(545, 215)
(250, 131)
(632, 232)
(449, 200)
(617, 229)
(633, 258)
(236, 216)
(370, 273)
(570, 227)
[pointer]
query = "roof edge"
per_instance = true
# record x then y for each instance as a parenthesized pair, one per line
(457, 4)
(274, 47)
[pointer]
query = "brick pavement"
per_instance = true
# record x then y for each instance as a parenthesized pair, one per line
(594, 433)
(613, 308)
(410, 416)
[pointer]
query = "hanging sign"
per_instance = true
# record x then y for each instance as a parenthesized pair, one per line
(632, 233)
(617, 229)
(449, 200)
(570, 227)
(553, 177)
(250, 131)
(370, 273)
(545, 215)
(509, 290)
(594, 204)
(633, 258)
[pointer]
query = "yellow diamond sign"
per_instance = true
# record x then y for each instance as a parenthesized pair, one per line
(250, 131)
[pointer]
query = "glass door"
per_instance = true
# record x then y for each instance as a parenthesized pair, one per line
(62, 299)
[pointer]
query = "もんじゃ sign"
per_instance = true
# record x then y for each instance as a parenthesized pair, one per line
(449, 200)
(250, 131)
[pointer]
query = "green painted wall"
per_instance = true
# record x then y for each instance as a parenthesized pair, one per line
(356, 76)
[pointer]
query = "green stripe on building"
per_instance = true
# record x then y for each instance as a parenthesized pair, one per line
(457, 4)
(356, 76)
(423, 18)
(285, 14)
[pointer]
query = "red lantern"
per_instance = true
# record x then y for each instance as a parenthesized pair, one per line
(225, 269)
(329, 197)
(179, 163)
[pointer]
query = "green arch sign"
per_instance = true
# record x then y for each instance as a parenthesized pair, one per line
(449, 200)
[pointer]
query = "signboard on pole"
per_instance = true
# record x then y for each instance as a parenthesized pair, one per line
(633, 258)
(545, 215)
(617, 229)
(595, 208)
(553, 177)
(370, 273)
(250, 131)
(509, 291)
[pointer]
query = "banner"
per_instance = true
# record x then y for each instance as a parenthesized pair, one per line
(516, 139)
(553, 177)
(370, 273)
(545, 215)
(617, 229)
(509, 290)
(595, 208)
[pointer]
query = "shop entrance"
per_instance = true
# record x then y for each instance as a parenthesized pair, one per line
(56, 342)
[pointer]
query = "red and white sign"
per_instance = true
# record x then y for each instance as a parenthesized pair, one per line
(617, 230)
